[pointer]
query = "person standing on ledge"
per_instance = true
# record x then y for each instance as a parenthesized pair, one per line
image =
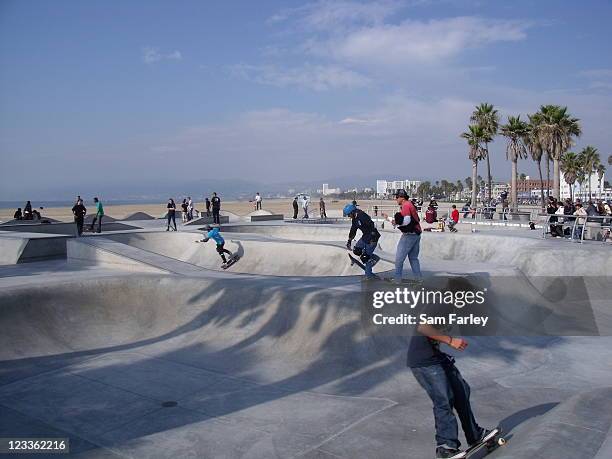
(171, 214)
(216, 208)
(295, 208)
(322, 208)
(98, 216)
(79, 211)
(435, 371)
(407, 220)
(305, 203)
(257, 201)
(207, 204)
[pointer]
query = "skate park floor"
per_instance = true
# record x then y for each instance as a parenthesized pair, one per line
(137, 345)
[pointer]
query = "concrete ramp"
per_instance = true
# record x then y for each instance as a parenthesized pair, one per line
(576, 428)
(257, 256)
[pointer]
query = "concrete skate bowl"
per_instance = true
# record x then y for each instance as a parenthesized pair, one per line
(291, 366)
(262, 257)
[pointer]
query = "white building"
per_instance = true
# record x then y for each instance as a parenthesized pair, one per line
(327, 190)
(389, 187)
(582, 191)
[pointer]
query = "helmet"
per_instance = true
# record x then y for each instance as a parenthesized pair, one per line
(401, 194)
(349, 209)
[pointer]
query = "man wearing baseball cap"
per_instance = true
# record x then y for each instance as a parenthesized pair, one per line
(407, 221)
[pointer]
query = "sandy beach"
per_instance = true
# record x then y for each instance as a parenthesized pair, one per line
(276, 206)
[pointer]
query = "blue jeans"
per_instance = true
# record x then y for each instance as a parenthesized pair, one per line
(448, 390)
(408, 246)
(368, 249)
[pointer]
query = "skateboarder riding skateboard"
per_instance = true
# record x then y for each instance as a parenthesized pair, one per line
(435, 371)
(213, 233)
(364, 248)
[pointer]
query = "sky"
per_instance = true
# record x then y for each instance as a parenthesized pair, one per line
(101, 94)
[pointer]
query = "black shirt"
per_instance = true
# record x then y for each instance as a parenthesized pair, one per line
(79, 211)
(171, 208)
(363, 222)
(424, 352)
(216, 202)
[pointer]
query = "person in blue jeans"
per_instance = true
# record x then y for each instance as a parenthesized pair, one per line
(435, 371)
(365, 246)
(407, 221)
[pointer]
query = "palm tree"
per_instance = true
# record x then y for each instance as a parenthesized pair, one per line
(571, 167)
(610, 160)
(486, 117)
(600, 169)
(536, 150)
(590, 160)
(515, 131)
(475, 138)
(557, 131)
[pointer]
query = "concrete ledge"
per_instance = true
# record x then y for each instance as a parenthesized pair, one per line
(263, 218)
(68, 229)
(208, 221)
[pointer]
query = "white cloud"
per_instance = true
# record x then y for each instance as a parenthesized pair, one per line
(598, 78)
(152, 54)
(316, 77)
(326, 14)
(416, 41)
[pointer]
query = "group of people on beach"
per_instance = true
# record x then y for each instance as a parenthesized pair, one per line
(568, 214)
(212, 206)
(304, 202)
(79, 212)
(28, 213)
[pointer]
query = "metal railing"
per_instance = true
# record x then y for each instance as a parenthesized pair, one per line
(577, 226)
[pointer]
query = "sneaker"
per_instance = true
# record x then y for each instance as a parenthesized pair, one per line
(487, 434)
(444, 452)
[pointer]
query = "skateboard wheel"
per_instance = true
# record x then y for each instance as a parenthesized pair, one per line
(501, 441)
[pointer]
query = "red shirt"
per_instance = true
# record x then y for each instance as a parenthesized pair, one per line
(409, 209)
(455, 215)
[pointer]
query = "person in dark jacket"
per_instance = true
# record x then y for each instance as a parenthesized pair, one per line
(18, 215)
(207, 203)
(79, 211)
(295, 208)
(27, 211)
(216, 208)
(365, 246)
(171, 206)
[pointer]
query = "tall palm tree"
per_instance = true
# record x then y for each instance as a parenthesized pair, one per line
(536, 150)
(571, 167)
(487, 117)
(516, 131)
(475, 137)
(590, 160)
(600, 169)
(557, 131)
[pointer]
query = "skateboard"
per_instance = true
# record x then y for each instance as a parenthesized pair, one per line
(488, 445)
(355, 261)
(233, 259)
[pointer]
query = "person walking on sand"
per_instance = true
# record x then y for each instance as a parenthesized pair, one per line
(98, 216)
(257, 201)
(436, 373)
(407, 220)
(171, 206)
(322, 208)
(79, 211)
(216, 208)
(295, 208)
